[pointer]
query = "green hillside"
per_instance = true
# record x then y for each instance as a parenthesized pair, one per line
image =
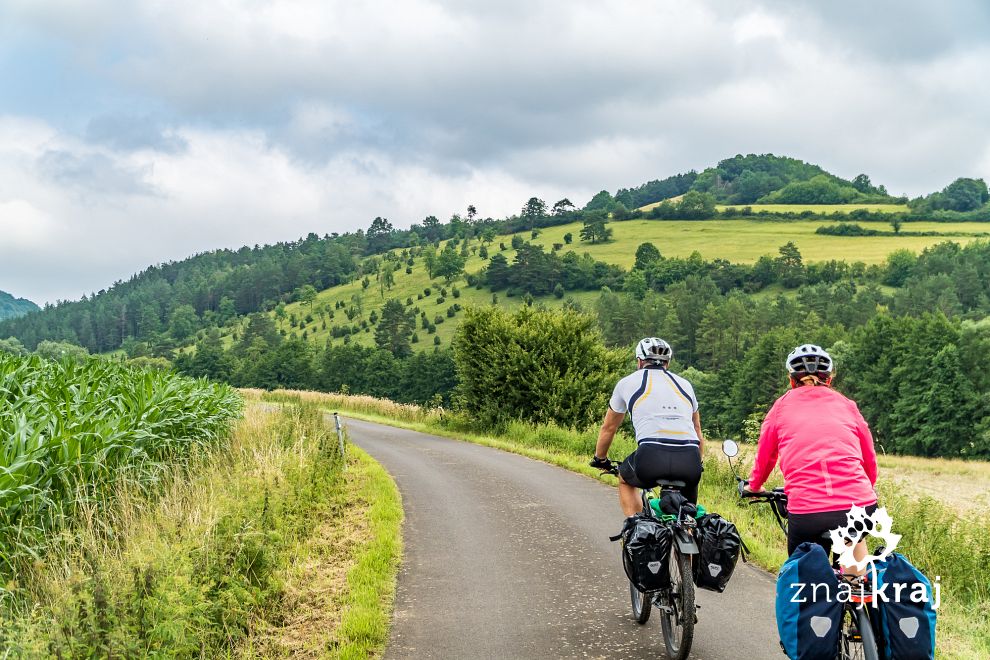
(11, 307)
(738, 241)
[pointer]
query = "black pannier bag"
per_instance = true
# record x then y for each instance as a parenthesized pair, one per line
(646, 552)
(719, 546)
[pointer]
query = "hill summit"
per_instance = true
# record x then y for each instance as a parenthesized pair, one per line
(11, 307)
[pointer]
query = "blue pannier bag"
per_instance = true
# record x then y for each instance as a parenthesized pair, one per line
(809, 612)
(904, 618)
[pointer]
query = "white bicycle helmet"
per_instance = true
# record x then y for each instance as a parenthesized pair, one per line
(809, 359)
(653, 349)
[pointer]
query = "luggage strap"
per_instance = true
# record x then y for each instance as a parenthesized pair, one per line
(626, 526)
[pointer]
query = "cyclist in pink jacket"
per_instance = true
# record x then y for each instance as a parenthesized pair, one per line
(825, 450)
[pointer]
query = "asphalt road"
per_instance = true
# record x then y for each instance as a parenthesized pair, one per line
(507, 557)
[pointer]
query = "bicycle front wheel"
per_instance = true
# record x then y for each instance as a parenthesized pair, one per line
(642, 604)
(677, 622)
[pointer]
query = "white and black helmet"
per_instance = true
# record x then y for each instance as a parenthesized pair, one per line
(653, 349)
(809, 359)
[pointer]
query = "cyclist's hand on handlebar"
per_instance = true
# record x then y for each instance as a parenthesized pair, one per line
(744, 490)
(603, 464)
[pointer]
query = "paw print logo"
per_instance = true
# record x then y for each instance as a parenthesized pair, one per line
(858, 525)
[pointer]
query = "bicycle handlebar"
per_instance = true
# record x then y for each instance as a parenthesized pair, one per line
(605, 465)
(776, 498)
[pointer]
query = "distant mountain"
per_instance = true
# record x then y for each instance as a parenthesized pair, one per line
(11, 307)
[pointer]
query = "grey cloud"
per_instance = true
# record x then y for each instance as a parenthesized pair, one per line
(131, 133)
(94, 174)
(892, 29)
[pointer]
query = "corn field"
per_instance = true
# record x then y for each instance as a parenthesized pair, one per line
(75, 433)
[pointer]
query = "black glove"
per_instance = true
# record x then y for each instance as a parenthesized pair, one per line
(603, 464)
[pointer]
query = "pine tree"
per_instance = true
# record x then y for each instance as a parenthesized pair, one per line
(394, 329)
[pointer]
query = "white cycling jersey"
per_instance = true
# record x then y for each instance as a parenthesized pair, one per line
(661, 404)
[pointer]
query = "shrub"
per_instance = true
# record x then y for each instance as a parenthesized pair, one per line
(846, 229)
(534, 365)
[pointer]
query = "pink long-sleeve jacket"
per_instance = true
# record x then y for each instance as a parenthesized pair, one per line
(825, 449)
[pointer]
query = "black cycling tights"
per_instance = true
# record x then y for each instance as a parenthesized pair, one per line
(646, 465)
(811, 527)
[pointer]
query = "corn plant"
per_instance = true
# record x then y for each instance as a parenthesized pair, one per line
(73, 432)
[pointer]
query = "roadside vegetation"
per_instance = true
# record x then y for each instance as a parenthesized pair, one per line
(141, 520)
(80, 435)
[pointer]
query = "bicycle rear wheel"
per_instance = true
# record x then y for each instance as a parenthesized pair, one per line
(642, 604)
(677, 619)
(858, 642)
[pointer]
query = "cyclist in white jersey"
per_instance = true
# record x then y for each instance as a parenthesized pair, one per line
(664, 413)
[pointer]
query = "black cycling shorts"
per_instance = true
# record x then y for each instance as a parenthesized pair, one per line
(812, 527)
(650, 462)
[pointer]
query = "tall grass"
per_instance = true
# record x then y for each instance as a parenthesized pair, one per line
(197, 568)
(75, 433)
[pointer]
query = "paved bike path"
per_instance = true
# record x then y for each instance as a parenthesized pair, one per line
(507, 557)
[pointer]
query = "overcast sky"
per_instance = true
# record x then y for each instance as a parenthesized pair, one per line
(139, 131)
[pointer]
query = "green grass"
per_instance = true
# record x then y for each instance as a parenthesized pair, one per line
(937, 538)
(819, 208)
(799, 208)
(746, 240)
(367, 608)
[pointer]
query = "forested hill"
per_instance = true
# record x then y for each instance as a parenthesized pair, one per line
(11, 307)
(761, 178)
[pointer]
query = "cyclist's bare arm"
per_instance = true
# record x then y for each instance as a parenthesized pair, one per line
(696, 418)
(609, 426)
